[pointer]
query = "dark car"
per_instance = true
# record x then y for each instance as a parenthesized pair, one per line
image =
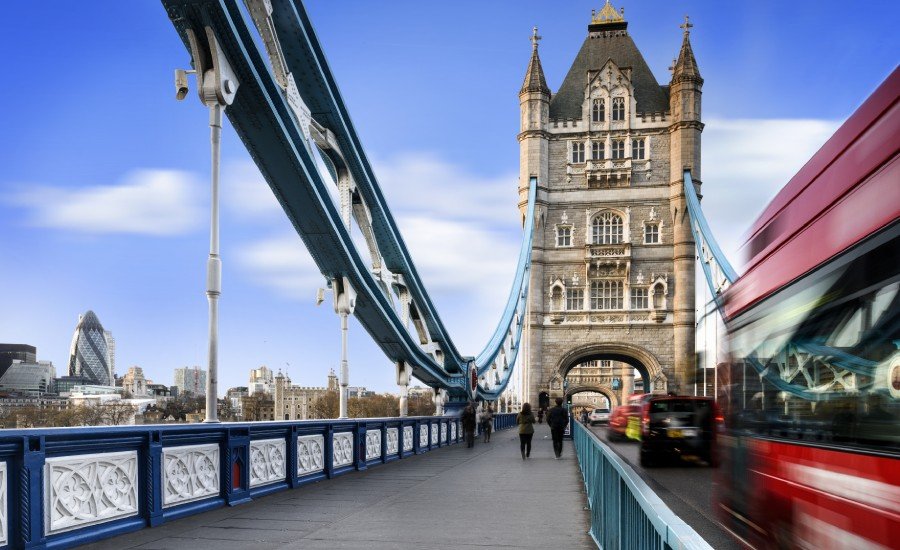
(682, 427)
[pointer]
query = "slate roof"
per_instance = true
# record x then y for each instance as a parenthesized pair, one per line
(534, 76)
(596, 50)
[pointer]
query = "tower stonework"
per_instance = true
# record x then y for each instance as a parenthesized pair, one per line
(612, 275)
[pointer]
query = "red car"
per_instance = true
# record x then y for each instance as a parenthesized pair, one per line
(618, 422)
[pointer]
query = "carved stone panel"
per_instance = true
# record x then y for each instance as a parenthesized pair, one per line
(393, 435)
(85, 490)
(407, 438)
(268, 461)
(423, 435)
(373, 444)
(190, 473)
(453, 431)
(310, 454)
(434, 434)
(443, 432)
(342, 449)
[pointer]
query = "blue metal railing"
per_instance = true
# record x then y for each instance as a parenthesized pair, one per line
(61, 487)
(625, 512)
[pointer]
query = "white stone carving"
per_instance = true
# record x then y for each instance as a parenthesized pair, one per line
(423, 435)
(310, 454)
(85, 490)
(434, 434)
(4, 526)
(268, 461)
(453, 431)
(443, 432)
(393, 435)
(342, 449)
(373, 444)
(407, 438)
(190, 473)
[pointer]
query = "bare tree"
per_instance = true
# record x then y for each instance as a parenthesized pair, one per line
(326, 406)
(116, 413)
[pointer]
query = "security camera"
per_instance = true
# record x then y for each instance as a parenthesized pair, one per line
(181, 83)
(320, 296)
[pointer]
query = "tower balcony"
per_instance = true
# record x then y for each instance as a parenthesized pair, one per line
(606, 173)
(600, 254)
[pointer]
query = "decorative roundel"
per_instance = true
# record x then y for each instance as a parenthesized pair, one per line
(893, 377)
(473, 375)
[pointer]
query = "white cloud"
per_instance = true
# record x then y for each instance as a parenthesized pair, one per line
(282, 263)
(745, 163)
(150, 202)
(246, 193)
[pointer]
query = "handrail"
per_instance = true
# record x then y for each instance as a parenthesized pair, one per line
(625, 512)
(61, 487)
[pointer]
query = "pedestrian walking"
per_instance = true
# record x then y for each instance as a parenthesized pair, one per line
(584, 416)
(557, 419)
(487, 423)
(525, 421)
(468, 424)
(540, 416)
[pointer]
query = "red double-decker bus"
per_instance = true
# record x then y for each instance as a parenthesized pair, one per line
(811, 393)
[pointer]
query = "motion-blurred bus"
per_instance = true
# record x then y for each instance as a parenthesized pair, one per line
(811, 393)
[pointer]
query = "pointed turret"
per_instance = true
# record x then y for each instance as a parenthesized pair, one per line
(534, 76)
(685, 67)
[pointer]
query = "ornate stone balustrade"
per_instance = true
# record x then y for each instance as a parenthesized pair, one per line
(78, 485)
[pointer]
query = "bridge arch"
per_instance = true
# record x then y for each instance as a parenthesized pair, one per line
(607, 392)
(643, 360)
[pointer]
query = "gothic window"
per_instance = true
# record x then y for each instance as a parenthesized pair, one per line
(618, 149)
(606, 229)
(637, 149)
(639, 299)
(577, 152)
(564, 235)
(574, 299)
(618, 108)
(598, 112)
(597, 150)
(606, 294)
(651, 233)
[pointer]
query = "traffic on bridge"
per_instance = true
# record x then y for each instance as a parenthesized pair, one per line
(603, 393)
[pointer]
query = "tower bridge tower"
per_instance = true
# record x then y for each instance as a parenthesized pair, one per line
(613, 259)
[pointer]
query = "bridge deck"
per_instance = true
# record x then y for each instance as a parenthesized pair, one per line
(486, 497)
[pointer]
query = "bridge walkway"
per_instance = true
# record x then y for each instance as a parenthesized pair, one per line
(485, 497)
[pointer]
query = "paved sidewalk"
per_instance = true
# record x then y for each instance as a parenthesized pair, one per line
(486, 497)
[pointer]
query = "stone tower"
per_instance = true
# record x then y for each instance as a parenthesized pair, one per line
(612, 276)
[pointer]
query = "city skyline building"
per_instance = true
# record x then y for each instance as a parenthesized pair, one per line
(134, 382)
(262, 380)
(16, 352)
(89, 353)
(190, 380)
(34, 377)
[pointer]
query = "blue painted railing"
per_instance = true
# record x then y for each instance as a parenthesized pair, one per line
(625, 512)
(60, 487)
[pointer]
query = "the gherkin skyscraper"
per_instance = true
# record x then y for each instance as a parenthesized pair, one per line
(89, 355)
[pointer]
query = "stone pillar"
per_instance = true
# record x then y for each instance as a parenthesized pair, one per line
(403, 373)
(627, 382)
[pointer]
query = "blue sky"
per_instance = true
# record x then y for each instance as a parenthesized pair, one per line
(103, 175)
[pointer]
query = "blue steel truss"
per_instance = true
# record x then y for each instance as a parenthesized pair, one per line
(288, 104)
(717, 269)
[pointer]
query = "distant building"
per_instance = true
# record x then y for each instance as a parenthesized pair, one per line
(174, 391)
(111, 348)
(234, 398)
(16, 352)
(295, 402)
(63, 385)
(34, 377)
(134, 382)
(262, 380)
(257, 407)
(190, 380)
(159, 391)
(89, 354)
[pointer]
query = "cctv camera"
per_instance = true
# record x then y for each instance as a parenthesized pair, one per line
(320, 296)
(181, 84)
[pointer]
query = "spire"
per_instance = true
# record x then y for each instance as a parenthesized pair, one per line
(685, 67)
(607, 15)
(534, 76)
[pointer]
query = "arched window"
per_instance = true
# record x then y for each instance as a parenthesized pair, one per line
(618, 108)
(597, 150)
(598, 112)
(606, 294)
(578, 152)
(606, 229)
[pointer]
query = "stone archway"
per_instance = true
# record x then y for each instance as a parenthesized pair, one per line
(607, 392)
(643, 360)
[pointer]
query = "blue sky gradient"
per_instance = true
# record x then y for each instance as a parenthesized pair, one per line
(90, 126)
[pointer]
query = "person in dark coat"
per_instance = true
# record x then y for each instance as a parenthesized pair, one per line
(468, 424)
(525, 421)
(557, 419)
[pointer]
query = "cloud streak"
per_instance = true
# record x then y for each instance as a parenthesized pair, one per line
(147, 202)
